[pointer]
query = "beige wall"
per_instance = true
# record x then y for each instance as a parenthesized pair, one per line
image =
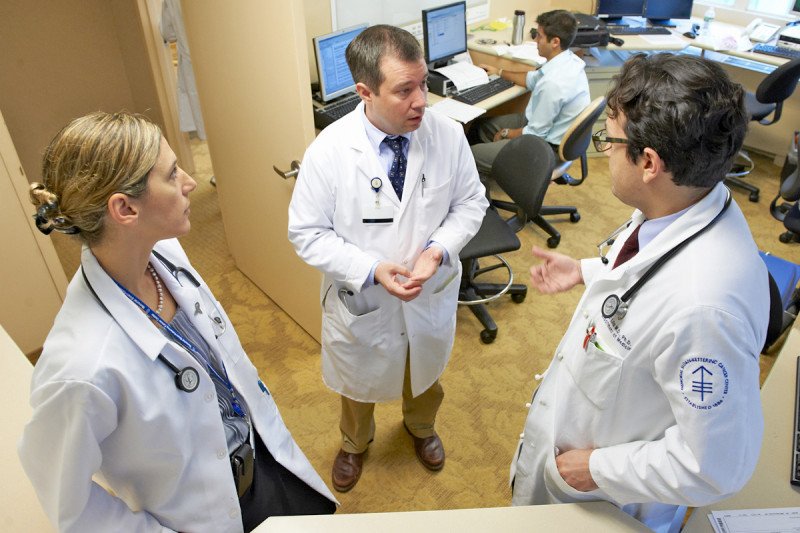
(64, 58)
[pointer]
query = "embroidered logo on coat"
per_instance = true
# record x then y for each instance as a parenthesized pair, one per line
(704, 382)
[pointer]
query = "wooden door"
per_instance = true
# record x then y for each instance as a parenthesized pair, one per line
(251, 64)
(32, 282)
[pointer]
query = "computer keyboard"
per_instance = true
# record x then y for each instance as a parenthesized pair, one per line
(476, 94)
(637, 30)
(795, 477)
(325, 116)
(777, 51)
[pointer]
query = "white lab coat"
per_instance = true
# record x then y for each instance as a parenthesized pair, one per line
(365, 342)
(635, 396)
(172, 30)
(104, 406)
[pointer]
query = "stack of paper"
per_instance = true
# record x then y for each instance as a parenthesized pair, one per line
(464, 75)
(786, 519)
(458, 110)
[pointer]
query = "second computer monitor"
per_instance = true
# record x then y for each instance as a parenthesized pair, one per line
(659, 12)
(334, 74)
(444, 32)
(613, 10)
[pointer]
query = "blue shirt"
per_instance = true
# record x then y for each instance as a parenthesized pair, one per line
(559, 92)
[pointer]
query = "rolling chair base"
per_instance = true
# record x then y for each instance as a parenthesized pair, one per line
(476, 295)
(740, 170)
(555, 237)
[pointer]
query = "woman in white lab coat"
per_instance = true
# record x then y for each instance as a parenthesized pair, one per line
(143, 386)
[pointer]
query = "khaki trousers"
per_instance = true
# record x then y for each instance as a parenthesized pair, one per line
(419, 414)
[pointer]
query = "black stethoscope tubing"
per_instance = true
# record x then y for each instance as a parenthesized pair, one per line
(187, 379)
(614, 305)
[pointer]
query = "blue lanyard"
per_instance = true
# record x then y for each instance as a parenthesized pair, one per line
(188, 346)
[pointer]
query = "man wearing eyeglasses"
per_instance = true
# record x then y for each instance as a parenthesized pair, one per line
(652, 399)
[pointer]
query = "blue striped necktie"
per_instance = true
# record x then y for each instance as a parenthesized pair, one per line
(397, 173)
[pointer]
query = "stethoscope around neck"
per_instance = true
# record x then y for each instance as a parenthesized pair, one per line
(617, 306)
(187, 379)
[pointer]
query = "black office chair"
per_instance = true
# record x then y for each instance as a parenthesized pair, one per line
(784, 277)
(573, 146)
(788, 211)
(767, 100)
(522, 169)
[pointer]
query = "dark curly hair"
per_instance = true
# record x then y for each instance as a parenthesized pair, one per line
(685, 108)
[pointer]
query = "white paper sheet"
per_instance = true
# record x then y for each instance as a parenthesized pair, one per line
(527, 51)
(458, 110)
(464, 75)
(780, 520)
(663, 40)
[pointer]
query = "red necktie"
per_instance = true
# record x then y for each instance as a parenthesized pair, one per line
(630, 248)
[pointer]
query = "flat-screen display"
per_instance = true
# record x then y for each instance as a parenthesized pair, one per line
(614, 9)
(661, 11)
(334, 74)
(444, 32)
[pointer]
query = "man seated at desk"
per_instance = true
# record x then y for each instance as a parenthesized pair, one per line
(559, 92)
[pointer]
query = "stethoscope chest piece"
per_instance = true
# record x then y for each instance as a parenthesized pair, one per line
(612, 305)
(187, 379)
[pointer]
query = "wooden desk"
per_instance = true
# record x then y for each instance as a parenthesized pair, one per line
(566, 518)
(769, 487)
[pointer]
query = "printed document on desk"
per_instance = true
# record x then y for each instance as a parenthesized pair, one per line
(661, 40)
(464, 75)
(458, 111)
(782, 520)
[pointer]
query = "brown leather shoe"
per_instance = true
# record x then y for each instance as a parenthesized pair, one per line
(346, 470)
(430, 450)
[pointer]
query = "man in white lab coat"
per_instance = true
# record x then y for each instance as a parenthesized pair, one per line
(652, 399)
(385, 200)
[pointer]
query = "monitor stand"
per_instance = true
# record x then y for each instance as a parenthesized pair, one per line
(615, 21)
(664, 23)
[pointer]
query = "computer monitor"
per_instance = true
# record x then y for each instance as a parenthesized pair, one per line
(334, 74)
(660, 12)
(614, 10)
(444, 32)
(796, 7)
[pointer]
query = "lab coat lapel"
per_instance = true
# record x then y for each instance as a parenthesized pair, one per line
(368, 166)
(694, 220)
(130, 318)
(187, 296)
(415, 164)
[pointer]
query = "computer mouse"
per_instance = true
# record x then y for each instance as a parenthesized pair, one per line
(690, 34)
(616, 40)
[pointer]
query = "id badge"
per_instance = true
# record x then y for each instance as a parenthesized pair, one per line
(376, 212)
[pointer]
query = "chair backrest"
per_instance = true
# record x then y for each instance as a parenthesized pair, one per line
(575, 141)
(522, 169)
(780, 84)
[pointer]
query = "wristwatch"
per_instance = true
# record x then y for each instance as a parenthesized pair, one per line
(504, 133)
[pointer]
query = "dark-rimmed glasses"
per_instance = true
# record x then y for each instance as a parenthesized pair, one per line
(602, 142)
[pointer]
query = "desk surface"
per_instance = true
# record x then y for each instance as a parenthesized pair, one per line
(651, 43)
(566, 518)
(492, 101)
(769, 487)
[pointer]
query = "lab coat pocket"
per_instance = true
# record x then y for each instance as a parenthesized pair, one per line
(436, 200)
(559, 490)
(596, 373)
(346, 328)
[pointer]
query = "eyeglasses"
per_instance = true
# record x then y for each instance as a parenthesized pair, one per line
(603, 143)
